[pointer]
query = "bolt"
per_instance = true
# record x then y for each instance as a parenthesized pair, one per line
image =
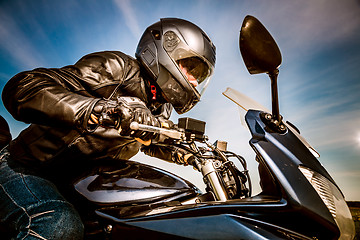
(108, 228)
(268, 116)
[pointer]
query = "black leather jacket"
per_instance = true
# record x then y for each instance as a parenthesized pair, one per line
(58, 102)
(5, 135)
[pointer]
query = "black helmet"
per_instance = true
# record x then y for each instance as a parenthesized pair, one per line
(173, 49)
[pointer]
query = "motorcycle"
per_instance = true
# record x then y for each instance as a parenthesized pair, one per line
(300, 200)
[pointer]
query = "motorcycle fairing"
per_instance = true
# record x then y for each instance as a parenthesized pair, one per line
(127, 182)
(283, 154)
(173, 218)
(213, 226)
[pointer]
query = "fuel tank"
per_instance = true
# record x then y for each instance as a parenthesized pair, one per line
(129, 182)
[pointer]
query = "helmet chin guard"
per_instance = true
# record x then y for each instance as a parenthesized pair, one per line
(181, 97)
(165, 46)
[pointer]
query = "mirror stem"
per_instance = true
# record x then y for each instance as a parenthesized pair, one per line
(274, 95)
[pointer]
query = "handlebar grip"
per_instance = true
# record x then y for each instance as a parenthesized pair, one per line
(134, 126)
(171, 133)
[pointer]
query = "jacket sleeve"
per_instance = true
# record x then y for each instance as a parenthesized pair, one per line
(65, 96)
(5, 135)
(43, 97)
(164, 111)
(168, 153)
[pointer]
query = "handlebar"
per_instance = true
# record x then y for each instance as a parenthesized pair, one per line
(219, 173)
(171, 133)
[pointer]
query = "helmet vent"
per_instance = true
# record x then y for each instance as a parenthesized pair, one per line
(171, 41)
(149, 57)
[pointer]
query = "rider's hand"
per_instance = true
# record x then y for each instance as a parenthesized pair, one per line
(119, 114)
(106, 114)
(135, 110)
(168, 153)
(182, 157)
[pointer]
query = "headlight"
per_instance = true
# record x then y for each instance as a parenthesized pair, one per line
(334, 201)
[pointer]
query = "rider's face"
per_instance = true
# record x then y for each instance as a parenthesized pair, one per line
(190, 77)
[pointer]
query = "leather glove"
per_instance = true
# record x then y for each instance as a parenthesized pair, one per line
(168, 153)
(180, 156)
(119, 114)
(106, 114)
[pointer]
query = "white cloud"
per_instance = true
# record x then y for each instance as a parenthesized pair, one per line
(16, 43)
(335, 131)
(130, 16)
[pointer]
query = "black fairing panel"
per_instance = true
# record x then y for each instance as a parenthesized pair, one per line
(284, 153)
(128, 182)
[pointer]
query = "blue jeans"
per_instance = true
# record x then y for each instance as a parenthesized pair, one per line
(32, 208)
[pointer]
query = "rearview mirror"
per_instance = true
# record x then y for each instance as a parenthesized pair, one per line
(258, 48)
(262, 55)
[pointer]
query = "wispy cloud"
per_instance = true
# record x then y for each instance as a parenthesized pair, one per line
(309, 24)
(14, 41)
(129, 16)
(353, 173)
(329, 122)
(326, 21)
(335, 131)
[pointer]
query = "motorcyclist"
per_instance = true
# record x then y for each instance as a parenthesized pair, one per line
(83, 111)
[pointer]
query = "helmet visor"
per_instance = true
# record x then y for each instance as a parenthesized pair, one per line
(194, 67)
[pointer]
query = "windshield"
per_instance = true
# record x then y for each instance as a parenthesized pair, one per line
(244, 102)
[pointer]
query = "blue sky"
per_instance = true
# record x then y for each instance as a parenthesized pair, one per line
(319, 83)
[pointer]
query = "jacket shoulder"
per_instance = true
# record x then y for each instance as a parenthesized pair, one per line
(105, 68)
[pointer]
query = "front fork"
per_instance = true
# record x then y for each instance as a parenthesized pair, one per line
(211, 175)
(208, 168)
